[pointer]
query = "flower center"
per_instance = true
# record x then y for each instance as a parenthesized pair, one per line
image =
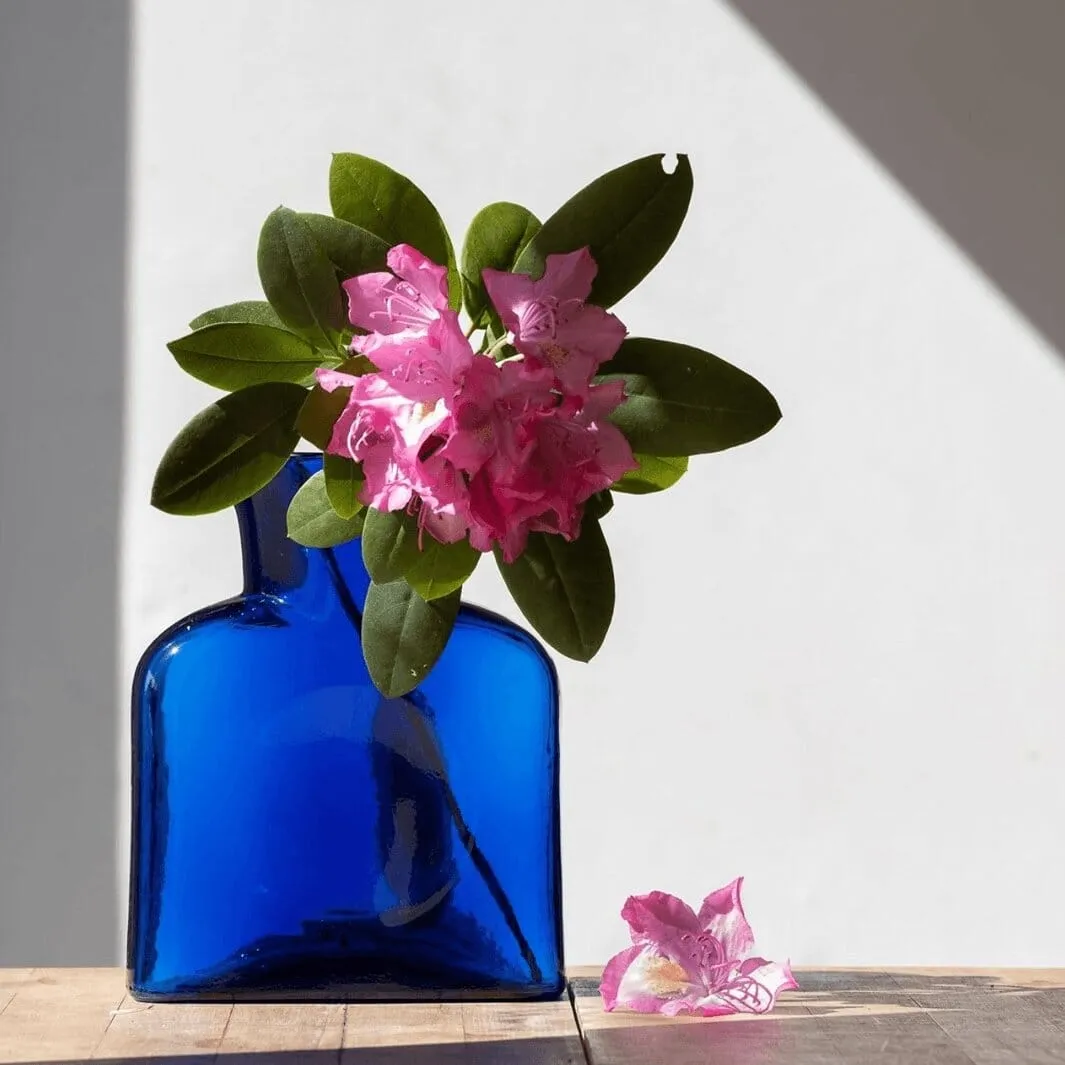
(405, 306)
(665, 977)
(555, 354)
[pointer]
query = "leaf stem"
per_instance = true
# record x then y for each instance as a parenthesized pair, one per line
(439, 771)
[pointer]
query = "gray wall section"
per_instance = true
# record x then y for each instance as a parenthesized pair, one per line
(64, 85)
(961, 100)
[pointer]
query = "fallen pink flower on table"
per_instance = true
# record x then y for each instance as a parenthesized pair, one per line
(687, 962)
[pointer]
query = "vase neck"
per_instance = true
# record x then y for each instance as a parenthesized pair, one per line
(276, 564)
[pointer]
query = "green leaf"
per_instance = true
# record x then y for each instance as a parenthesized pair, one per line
(565, 589)
(389, 544)
(313, 522)
(299, 280)
(343, 482)
(229, 450)
(233, 355)
(600, 504)
(371, 195)
(628, 217)
(656, 473)
(322, 408)
(496, 237)
(351, 249)
(442, 568)
(683, 401)
(403, 635)
(253, 312)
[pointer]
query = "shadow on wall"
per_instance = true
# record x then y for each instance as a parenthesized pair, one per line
(63, 145)
(961, 100)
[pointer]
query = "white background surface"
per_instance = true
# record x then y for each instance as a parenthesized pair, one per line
(836, 664)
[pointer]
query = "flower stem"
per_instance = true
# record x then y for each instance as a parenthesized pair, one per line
(439, 771)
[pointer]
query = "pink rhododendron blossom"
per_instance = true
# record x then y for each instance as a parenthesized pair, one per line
(479, 449)
(687, 962)
(550, 320)
(408, 299)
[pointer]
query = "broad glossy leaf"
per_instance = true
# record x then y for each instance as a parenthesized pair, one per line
(229, 450)
(656, 472)
(351, 249)
(389, 544)
(255, 312)
(628, 217)
(322, 408)
(565, 589)
(299, 280)
(233, 355)
(343, 483)
(683, 401)
(403, 635)
(377, 198)
(495, 239)
(313, 522)
(442, 568)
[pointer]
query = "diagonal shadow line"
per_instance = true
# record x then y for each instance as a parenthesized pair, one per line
(960, 100)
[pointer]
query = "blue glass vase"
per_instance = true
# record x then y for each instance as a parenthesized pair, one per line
(296, 835)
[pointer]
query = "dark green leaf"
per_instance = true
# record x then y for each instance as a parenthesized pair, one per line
(313, 522)
(389, 544)
(255, 312)
(495, 239)
(683, 401)
(299, 280)
(229, 450)
(656, 472)
(233, 355)
(628, 217)
(343, 482)
(322, 408)
(565, 589)
(442, 568)
(403, 635)
(350, 248)
(371, 195)
(600, 505)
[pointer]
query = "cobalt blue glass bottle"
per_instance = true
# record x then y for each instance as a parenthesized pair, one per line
(296, 835)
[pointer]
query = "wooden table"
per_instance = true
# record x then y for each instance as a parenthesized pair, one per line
(922, 1016)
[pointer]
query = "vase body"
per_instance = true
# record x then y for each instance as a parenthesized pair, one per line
(296, 835)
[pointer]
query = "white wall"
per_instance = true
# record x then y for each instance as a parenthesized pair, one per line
(836, 663)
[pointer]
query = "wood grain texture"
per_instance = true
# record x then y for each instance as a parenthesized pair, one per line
(839, 1016)
(70, 1015)
(851, 1017)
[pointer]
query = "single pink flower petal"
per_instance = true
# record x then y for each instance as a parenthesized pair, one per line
(331, 380)
(613, 973)
(644, 981)
(721, 914)
(658, 917)
(420, 271)
(754, 986)
(569, 276)
(508, 293)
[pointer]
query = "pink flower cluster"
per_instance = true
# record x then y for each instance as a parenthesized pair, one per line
(687, 962)
(478, 448)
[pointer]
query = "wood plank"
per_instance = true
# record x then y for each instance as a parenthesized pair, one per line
(852, 1017)
(999, 1017)
(139, 1030)
(304, 1034)
(532, 1033)
(58, 1014)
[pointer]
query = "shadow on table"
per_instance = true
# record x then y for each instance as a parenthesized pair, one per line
(551, 1050)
